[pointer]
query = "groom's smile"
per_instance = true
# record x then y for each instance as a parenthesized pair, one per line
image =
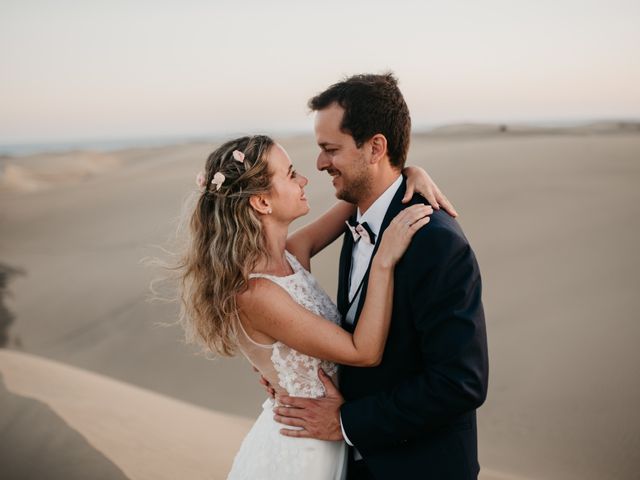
(339, 155)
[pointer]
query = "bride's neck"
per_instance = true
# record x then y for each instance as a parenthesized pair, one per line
(276, 240)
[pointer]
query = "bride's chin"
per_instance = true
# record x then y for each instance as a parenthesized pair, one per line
(305, 212)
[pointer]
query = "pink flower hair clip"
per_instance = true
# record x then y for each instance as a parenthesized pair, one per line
(200, 181)
(238, 156)
(218, 180)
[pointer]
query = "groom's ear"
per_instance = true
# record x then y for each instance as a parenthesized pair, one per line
(260, 204)
(378, 147)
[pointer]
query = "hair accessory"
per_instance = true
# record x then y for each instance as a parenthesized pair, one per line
(200, 180)
(218, 180)
(238, 156)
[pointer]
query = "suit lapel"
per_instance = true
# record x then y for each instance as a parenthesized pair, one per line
(343, 272)
(395, 207)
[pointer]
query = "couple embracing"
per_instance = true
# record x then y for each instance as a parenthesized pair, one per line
(385, 384)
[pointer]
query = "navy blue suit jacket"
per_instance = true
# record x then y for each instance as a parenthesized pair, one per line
(414, 415)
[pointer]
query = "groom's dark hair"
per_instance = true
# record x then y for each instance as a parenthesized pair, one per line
(372, 104)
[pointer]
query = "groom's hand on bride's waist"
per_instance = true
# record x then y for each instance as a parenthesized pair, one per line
(314, 417)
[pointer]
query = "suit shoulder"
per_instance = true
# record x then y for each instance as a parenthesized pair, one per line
(435, 244)
(443, 223)
(442, 230)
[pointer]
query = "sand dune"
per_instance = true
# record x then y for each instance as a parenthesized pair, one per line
(551, 218)
(37, 172)
(130, 432)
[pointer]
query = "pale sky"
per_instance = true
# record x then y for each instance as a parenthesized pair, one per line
(72, 70)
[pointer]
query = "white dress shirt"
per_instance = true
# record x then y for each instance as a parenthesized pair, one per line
(361, 256)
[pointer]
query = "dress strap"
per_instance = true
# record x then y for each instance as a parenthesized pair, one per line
(295, 265)
(293, 261)
(260, 275)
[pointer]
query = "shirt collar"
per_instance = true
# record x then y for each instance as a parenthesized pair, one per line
(376, 212)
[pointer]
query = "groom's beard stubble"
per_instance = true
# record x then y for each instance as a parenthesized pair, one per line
(353, 192)
(355, 189)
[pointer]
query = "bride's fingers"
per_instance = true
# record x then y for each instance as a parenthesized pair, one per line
(430, 195)
(447, 205)
(413, 209)
(409, 193)
(412, 227)
(412, 213)
(421, 212)
(410, 224)
(417, 225)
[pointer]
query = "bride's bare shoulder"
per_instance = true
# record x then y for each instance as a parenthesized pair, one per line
(260, 291)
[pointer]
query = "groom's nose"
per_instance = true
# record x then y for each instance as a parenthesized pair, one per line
(323, 162)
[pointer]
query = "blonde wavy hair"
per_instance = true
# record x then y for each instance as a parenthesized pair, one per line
(223, 244)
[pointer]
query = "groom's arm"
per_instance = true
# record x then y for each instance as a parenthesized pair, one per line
(452, 336)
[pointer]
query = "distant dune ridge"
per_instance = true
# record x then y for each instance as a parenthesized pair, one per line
(488, 129)
(552, 220)
(39, 172)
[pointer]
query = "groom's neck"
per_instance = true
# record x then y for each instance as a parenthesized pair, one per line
(379, 185)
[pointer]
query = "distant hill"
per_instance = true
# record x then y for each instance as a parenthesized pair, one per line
(484, 129)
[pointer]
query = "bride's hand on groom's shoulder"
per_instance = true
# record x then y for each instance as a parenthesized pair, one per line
(418, 180)
(397, 236)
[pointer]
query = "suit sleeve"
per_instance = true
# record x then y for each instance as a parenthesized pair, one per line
(447, 313)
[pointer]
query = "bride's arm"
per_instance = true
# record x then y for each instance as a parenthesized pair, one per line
(270, 310)
(307, 241)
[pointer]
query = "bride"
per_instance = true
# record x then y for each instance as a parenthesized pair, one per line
(245, 285)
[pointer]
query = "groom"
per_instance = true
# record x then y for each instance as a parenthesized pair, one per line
(413, 415)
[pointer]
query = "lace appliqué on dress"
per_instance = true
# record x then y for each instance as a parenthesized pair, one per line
(297, 372)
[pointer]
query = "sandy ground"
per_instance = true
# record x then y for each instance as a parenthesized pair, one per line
(553, 221)
(83, 422)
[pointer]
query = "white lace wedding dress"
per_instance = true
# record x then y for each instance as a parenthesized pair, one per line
(265, 454)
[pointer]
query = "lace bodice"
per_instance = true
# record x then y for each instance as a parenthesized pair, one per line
(288, 370)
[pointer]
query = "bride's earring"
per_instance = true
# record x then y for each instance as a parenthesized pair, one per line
(269, 211)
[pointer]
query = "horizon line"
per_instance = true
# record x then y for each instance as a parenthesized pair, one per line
(111, 143)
